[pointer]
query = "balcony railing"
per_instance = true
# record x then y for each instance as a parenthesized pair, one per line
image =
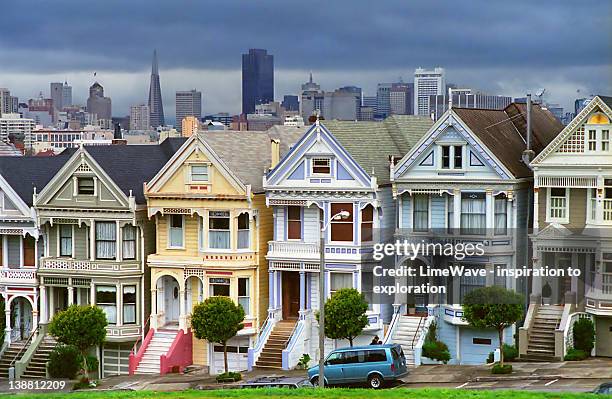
(310, 251)
(20, 276)
(62, 264)
(294, 248)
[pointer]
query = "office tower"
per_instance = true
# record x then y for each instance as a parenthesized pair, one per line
(427, 83)
(41, 110)
(369, 101)
(465, 98)
(189, 125)
(8, 104)
(400, 99)
(56, 92)
(291, 103)
(188, 103)
(383, 104)
(66, 95)
(156, 107)
(342, 104)
(139, 117)
(257, 79)
(97, 104)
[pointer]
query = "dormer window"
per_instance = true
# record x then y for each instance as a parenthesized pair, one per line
(199, 173)
(321, 166)
(85, 186)
(597, 132)
(452, 156)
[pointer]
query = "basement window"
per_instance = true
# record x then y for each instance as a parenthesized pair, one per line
(481, 341)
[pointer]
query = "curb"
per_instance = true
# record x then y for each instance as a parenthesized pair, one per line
(516, 378)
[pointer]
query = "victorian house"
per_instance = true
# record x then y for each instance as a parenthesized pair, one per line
(212, 224)
(92, 215)
(573, 228)
(334, 167)
(21, 246)
(465, 182)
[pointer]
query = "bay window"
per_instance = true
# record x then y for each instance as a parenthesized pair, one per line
(129, 242)
(175, 231)
(219, 286)
(473, 213)
(501, 216)
(219, 229)
(294, 223)
(244, 298)
(106, 240)
(342, 229)
(339, 281)
(367, 220)
(129, 304)
(106, 299)
(420, 212)
(243, 231)
(65, 234)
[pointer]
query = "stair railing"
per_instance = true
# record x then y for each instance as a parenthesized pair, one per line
(144, 327)
(287, 361)
(393, 325)
(261, 339)
(137, 354)
(416, 333)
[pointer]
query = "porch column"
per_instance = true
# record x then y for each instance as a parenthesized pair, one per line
(574, 281)
(598, 281)
(7, 320)
(182, 316)
(489, 211)
(51, 302)
(153, 319)
(277, 291)
(456, 210)
(36, 252)
(43, 304)
(302, 290)
(70, 292)
(119, 305)
(536, 281)
(92, 240)
(34, 319)
(92, 293)
(536, 210)
(270, 290)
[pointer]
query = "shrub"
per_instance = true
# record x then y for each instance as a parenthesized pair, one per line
(490, 358)
(64, 362)
(575, 355)
(510, 352)
(230, 376)
(501, 369)
(432, 332)
(584, 335)
(436, 350)
(92, 363)
(303, 363)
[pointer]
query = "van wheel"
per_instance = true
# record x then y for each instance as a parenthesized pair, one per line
(375, 381)
(315, 381)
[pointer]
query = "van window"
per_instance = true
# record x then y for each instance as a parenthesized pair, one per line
(352, 357)
(395, 354)
(378, 355)
(335, 358)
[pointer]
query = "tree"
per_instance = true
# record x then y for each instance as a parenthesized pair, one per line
(217, 319)
(81, 326)
(345, 314)
(493, 307)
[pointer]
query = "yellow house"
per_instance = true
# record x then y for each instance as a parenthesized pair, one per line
(212, 228)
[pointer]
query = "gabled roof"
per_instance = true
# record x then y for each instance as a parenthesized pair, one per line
(25, 173)
(248, 154)
(129, 166)
(607, 100)
(372, 143)
(503, 132)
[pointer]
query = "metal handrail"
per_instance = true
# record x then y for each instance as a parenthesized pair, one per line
(417, 332)
(259, 342)
(134, 350)
(291, 335)
(24, 347)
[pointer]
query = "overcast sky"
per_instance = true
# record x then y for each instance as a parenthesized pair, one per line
(501, 48)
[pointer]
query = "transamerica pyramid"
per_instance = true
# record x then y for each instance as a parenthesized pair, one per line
(156, 107)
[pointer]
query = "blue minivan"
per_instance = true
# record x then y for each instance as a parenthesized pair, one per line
(373, 364)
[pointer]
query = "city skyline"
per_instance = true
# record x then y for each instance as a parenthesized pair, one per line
(560, 60)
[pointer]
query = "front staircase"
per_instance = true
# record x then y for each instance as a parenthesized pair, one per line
(9, 355)
(37, 366)
(541, 343)
(406, 334)
(159, 345)
(272, 354)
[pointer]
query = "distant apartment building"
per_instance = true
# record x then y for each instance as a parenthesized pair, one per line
(257, 79)
(291, 103)
(14, 125)
(426, 84)
(343, 103)
(465, 98)
(41, 110)
(223, 117)
(401, 98)
(188, 103)
(54, 139)
(262, 122)
(189, 126)
(97, 104)
(140, 117)
(8, 104)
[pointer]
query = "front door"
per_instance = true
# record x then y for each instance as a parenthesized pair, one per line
(171, 300)
(291, 295)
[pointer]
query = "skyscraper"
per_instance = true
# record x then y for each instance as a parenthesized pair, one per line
(56, 92)
(188, 103)
(8, 104)
(139, 117)
(66, 95)
(156, 107)
(257, 79)
(427, 83)
(97, 104)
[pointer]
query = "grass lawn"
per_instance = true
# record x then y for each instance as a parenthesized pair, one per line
(276, 393)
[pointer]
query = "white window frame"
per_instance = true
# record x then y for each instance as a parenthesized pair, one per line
(451, 155)
(428, 213)
(312, 165)
(549, 218)
(248, 295)
(332, 273)
(59, 241)
(123, 286)
(599, 139)
(169, 242)
(209, 230)
(199, 165)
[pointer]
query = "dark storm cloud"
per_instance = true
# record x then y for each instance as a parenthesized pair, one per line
(119, 35)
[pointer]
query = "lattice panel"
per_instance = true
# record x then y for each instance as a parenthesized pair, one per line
(81, 282)
(287, 202)
(566, 181)
(84, 168)
(177, 211)
(575, 143)
(56, 281)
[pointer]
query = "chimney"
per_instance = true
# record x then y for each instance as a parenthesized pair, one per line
(528, 154)
(118, 136)
(275, 145)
